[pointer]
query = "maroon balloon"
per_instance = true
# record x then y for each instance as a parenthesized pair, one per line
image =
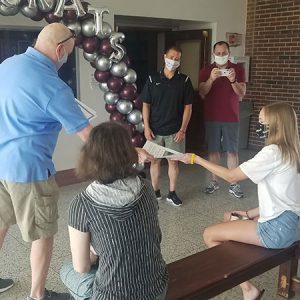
(78, 40)
(38, 17)
(126, 60)
(101, 76)
(90, 44)
(110, 108)
(138, 140)
(92, 63)
(138, 103)
(128, 92)
(130, 127)
(117, 117)
(70, 15)
(105, 47)
(115, 84)
(50, 17)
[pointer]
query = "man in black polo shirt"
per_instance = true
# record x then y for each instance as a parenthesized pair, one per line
(167, 106)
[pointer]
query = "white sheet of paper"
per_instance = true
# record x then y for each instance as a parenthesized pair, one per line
(88, 112)
(159, 151)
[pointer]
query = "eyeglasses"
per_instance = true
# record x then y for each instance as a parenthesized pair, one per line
(73, 36)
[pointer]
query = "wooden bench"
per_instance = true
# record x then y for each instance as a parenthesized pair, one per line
(215, 270)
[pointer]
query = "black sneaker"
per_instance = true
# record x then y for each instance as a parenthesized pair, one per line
(50, 295)
(174, 199)
(5, 284)
(158, 195)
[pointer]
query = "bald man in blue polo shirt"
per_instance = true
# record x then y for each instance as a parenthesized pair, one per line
(34, 106)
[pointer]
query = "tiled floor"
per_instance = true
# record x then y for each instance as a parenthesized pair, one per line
(182, 231)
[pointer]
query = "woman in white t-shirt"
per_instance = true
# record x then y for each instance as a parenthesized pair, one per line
(275, 169)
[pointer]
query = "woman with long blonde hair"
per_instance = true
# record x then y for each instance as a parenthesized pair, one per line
(275, 169)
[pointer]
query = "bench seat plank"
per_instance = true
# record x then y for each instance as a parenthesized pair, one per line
(215, 270)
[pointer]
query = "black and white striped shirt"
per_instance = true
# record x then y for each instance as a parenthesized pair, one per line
(127, 239)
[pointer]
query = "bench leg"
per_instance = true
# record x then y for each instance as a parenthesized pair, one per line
(287, 271)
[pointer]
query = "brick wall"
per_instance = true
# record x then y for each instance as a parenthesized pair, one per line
(273, 44)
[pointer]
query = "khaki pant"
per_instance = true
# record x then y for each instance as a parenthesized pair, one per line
(33, 206)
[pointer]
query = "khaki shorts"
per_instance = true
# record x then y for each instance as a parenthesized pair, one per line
(168, 142)
(33, 206)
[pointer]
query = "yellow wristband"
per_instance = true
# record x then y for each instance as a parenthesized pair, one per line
(192, 159)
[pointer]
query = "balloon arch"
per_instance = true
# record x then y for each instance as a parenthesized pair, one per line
(102, 48)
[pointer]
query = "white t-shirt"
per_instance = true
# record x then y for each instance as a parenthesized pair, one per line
(278, 183)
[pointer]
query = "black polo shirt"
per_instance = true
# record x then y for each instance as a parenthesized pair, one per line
(167, 98)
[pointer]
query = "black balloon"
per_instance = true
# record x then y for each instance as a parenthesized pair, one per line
(115, 84)
(101, 76)
(117, 117)
(90, 44)
(128, 92)
(105, 47)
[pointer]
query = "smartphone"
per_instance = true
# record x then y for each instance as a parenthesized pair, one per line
(235, 216)
(224, 72)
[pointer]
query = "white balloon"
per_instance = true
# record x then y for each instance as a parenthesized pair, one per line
(28, 11)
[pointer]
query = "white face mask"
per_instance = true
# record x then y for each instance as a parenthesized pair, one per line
(171, 64)
(62, 60)
(221, 60)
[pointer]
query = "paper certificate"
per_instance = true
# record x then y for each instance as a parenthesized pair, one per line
(88, 112)
(159, 151)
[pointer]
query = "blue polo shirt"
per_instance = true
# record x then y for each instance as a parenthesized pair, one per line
(34, 105)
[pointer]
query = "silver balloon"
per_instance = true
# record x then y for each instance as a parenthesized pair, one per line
(111, 98)
(135, 117)
(105, 32)
(124, 106)
(90, 56)
(45, 5)
(10, 3)
(28, 11)
(88, 27)
(130, 76)
(103, 87)
(8, 11)
(140, 127)
(119, 69)
(76, 5)
(74, 26)
(102, 63)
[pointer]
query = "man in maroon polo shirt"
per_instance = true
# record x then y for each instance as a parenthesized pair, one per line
(222, 86)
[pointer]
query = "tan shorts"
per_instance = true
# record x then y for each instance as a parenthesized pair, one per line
(168, 142)
(33, 206)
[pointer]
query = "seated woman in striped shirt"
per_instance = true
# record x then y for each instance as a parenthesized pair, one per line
(117, 216)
